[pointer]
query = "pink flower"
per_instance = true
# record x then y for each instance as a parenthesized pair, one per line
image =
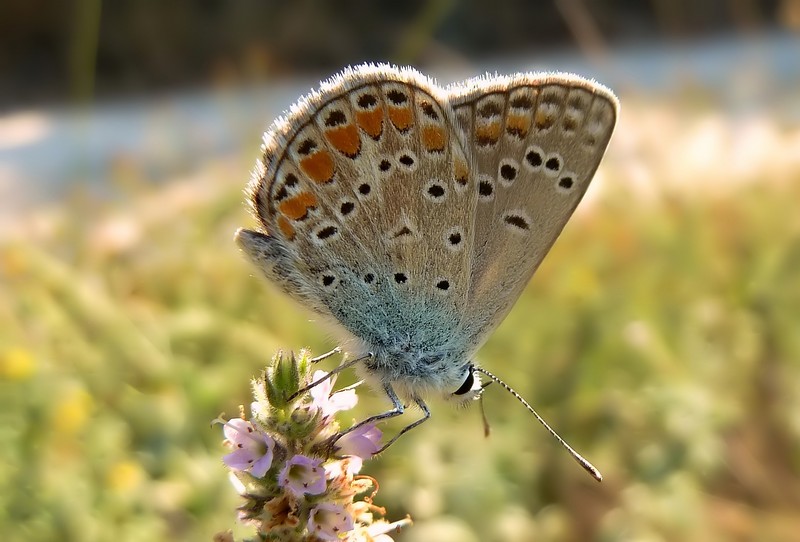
(252, 448)
(363, 442)
(349, 467)
(330, 404)
(303, 475)
(327, 521)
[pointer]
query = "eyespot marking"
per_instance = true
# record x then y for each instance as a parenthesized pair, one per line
(485, 188)
(306, 147)
(404, 231)
(435, 191)
(521, 102)
(453, 238)
(335, 118)
(553, 164)
(367, 101)
(400, 278)
(565, 183)
(552, 96)
(326, 233)
(490, 109)
(346, 207)
(577, 101)
(428, 110)
(407, 160)
(328, 280)
(507, 172)
(517, 221)
(534, 158)
(397, 97)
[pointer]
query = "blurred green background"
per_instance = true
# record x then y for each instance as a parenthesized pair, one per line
(660, 336)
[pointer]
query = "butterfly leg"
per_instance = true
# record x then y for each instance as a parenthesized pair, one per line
(335, 371)
(396, 411)
(326, 355)
(426, 414)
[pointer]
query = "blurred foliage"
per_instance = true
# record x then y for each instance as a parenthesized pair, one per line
(65, 49)
(660, 338)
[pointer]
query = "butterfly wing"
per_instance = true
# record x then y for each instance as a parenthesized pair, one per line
(536, 142)
(364, 209)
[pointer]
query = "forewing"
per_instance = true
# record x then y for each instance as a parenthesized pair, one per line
(536, 141)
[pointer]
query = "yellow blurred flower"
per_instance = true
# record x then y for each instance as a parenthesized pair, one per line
(72, 411)
(582, 283)
(13, 262)
(17, 364)
(124, 476)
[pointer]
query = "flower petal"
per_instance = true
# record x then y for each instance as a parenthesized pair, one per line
(237, 429)
(342, 400)
(363, 442)
(327, 521)
(302, 475)
(252, 449)
(239, 459)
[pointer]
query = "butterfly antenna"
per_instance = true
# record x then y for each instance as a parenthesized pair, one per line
(588, 467)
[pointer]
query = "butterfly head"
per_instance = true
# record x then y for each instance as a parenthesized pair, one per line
(471, 387)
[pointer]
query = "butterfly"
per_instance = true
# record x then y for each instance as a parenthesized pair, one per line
(410, 217)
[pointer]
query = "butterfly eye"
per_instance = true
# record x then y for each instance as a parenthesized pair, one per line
(466, 386)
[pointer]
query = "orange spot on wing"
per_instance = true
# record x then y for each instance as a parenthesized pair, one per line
(296, 208)
(318, 166)
(433, 138)
(543, 120)
(487, 133)
(518, 125)
(461, 172)
(345, 139)
(461, 168)
(286, 228)
(570, 123)
(401, 117)
(371, 122)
